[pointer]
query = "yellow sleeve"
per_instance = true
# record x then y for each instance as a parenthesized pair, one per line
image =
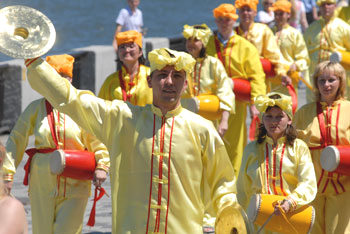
(18, 140)
(88, 111)
(218, 168)
(272, 52)
(224, 89)
(106, 88)
(244, 182)
(100, 150)
(301, 54)
(306, 190)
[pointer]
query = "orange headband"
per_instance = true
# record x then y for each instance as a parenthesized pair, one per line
(281, 5)
(129, 36)
(251, 3)
(225, 10)
(62, 63)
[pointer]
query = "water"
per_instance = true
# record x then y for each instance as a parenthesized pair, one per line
(81, 23)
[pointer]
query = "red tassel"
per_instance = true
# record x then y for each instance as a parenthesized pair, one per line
(91, 221)
(294, 97)
(252, 127)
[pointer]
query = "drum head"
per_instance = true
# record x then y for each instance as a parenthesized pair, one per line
(253, 208)
(330, 158)
(231, 220)
(336, 57)
(57, 162)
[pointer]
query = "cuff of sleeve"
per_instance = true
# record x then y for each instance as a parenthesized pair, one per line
(8, 177)
(292, 202)
(102, 167)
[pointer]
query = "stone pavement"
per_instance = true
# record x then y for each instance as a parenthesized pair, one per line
(103, 223)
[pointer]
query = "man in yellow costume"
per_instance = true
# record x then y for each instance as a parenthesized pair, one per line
(158, 153)
(343, 13)
(57, 202)
(291, 44)
(261, 36)
(241, 60)
(326, 35)
(129, 82)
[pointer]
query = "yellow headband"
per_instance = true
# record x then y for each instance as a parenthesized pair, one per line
(262, 102)
(251, 3)
(159, 58)
(282, 5)
(62, 63)
(198, 33)
(320, 2)
(225, 10)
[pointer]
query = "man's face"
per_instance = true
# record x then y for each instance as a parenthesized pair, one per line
(246, 15)
(133, 3)
(224, 24)
(168, 85)
(327, 10)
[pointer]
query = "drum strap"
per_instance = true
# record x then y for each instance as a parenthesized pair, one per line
(32, 151)
(219, 53)
(292, 93)
(127, 96)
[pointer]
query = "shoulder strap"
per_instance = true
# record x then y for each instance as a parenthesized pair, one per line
(51, 121)
(322, 124)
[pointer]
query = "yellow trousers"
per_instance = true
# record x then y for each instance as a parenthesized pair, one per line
(236, 136)
(332, 214)
(55, 209)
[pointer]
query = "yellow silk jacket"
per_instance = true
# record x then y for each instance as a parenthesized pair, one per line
(137, 93)
(157, 162)
(261, 36)
(321, 40)
(241, 60)
(209, 77)
(308, 129)
(284, 170)
(33, 121)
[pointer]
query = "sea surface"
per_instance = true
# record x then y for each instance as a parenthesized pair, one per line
(81, 23)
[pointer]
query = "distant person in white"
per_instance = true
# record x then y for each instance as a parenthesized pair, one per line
(266, 16)
(129, 18)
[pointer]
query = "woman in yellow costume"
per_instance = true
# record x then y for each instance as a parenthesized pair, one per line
(322, 123)
(57, 202)
(129, 82)
(209, 75)
(277, 162)
(261, 36)
(291, 44)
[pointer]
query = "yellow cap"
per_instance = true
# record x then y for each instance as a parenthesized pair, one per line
(262, 102)
(62, 63)
(160, 58)
(320, 2)
(129, 36)
(251, 3)
(281, 5)
(201, 33)
(225, 10)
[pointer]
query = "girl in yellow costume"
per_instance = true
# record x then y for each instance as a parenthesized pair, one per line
(261, 36)
(277, 162)
(129, 82)
(209, 75)
(321, 123)
(241, 60)
(291, 44)
(57, 203)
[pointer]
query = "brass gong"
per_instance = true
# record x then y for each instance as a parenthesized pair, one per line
(25, 32)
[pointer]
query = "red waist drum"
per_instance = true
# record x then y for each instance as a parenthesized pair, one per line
(241, 88)
(268, 67)
(336, 159)
(75, 164)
